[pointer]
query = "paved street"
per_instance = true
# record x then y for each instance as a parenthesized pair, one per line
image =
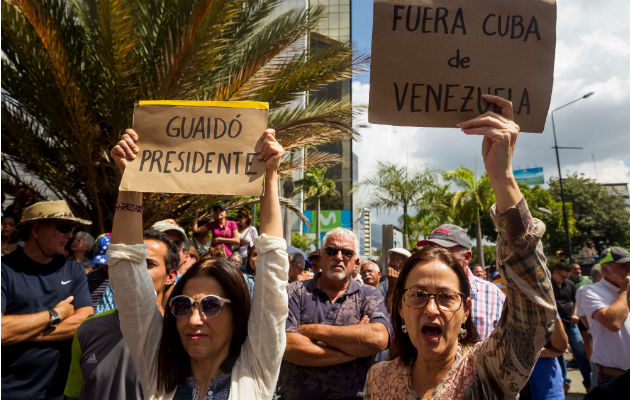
(577, 390)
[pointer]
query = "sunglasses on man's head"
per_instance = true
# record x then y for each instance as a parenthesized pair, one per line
(181, 306)
(333, 251)
(63, 227)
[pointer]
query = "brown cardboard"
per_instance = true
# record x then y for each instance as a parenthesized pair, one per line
(200, 160)
(411, 66)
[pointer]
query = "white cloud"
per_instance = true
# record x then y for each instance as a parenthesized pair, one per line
(592, 54)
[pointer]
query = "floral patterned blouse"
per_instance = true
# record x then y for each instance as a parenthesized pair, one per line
(499, 366)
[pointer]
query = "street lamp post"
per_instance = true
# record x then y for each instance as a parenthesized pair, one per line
(555, 142)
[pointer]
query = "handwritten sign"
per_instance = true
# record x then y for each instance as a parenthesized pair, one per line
(433, 59)
(198, 147)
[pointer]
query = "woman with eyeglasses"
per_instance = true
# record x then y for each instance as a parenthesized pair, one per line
(211, 342)
(436, 352)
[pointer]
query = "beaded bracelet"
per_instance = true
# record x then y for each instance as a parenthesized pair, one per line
(129, 207)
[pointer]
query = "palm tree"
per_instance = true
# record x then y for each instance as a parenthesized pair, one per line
(434, 208)
(392, 188)
(474, 197)
(72, 71)
(316, 186)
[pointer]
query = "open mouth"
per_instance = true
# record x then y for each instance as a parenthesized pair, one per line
(431, 333)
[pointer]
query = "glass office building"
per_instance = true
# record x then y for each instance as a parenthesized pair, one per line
(334, 27)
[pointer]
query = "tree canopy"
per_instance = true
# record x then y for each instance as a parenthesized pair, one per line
(392, 187)
(72, 71)
(601, 219)
(471, 200)
(316, 186)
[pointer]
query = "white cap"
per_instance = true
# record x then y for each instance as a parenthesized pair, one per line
(399, 250)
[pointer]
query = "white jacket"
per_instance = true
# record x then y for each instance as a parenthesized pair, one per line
(255, 372)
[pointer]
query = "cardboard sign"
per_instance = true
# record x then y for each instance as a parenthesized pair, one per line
(433, 59)
(197, 147)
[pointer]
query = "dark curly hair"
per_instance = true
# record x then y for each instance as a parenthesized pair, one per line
(173, 361)
(401, 344)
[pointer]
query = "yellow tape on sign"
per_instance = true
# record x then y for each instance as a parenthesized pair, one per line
(231, 104)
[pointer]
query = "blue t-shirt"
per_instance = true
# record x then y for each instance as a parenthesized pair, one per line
(39, 370)
(546, 380)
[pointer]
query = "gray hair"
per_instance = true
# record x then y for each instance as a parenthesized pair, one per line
(87, 238)
(345, 233)
(378, 269)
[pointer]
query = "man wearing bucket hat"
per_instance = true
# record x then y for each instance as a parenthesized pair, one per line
(487, 298)
(44, 298)
(605, 305)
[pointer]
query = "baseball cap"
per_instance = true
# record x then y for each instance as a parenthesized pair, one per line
(169, 225)
(399, 250)
(616, 255)
(220, 206)
(447, 235)
(100, 248)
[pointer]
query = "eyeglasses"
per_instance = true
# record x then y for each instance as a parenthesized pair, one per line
(333, 251)
(181, 306)
(446, 301)
(64, 227)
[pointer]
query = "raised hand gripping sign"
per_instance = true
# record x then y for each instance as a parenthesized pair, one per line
(197, 147)
(433, 59)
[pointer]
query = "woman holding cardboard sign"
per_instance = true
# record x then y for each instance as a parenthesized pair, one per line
(207, 342)
(436, 352)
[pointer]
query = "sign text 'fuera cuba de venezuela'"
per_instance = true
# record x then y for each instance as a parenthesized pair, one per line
(432, 60)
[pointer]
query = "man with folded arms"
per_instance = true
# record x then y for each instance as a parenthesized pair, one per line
(44, 298)
(605, 305)
(335, 326)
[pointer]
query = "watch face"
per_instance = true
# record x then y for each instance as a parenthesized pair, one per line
(55, 319)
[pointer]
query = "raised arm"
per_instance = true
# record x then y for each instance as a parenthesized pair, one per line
(140, 318)
(530, 307)
(261, 355)
(127, 226)
(499, 133)
(270, 151)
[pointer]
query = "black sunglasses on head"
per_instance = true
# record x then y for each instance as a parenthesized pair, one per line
(333, 251)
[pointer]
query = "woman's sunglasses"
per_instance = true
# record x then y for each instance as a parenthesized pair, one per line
(181, 306)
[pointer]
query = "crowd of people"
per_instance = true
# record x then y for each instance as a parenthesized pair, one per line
(223, 312)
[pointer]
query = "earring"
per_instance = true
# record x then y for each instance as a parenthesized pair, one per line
(463, 332)
(403, 328)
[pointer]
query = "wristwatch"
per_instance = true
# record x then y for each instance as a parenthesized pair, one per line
(55, 319)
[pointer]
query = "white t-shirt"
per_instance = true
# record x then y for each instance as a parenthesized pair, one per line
(610, 349)
(250, 233)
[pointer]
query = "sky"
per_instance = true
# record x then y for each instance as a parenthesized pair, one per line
(592, 55)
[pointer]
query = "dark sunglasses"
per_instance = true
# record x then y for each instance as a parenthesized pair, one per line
(181, 306)
(333, 251)
(64, 227)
